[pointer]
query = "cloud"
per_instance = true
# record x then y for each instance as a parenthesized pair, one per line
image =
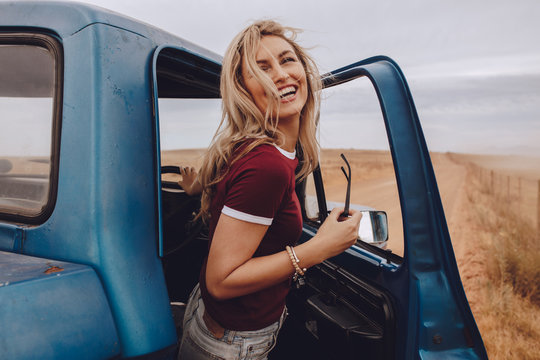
(25, 132)
(472, 66)
(480, 114)
(460, 113)
(188, 123)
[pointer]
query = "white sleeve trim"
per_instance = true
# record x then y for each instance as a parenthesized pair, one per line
(246, 217)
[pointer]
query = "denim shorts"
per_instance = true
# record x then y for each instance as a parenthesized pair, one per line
(198, 343)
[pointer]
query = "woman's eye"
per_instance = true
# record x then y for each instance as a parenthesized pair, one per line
(288, 59)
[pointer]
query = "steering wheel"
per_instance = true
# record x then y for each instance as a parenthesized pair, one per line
(169, 169)
(178, 211)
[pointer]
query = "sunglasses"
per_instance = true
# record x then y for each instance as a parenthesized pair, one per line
(348, 177)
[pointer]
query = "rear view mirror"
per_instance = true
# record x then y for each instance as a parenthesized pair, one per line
(374, 228)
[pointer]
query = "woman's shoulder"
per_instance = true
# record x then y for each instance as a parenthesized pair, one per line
(266, 154)
(264, 158)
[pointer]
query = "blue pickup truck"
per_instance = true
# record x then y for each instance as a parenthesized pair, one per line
(98, 251)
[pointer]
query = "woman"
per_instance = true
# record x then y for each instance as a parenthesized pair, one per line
(270, 90)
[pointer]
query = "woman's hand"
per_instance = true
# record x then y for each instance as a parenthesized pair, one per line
(337, 233)
(189, 181)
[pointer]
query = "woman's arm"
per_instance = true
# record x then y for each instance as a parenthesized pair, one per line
(232, 271)
(189, 182)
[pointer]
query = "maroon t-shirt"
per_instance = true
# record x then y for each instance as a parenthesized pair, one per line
(259, 188)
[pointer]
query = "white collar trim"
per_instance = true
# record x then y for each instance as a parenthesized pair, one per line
(287, 154)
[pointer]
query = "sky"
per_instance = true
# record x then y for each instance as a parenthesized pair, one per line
(473, 66)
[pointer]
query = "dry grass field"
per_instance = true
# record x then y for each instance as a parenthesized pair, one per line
(497, 246)
(491, 207)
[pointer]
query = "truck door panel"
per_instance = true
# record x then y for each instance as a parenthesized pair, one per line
(370, 303)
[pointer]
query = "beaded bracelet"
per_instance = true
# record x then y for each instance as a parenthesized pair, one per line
(295, 261)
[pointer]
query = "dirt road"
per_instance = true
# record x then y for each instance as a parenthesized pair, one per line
(375, 186)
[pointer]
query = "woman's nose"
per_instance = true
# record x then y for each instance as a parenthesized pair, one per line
(280, 74)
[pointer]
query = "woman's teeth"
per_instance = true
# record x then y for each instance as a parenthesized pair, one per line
(287, 92)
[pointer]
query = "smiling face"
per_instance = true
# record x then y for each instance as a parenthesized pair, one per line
(278, 60)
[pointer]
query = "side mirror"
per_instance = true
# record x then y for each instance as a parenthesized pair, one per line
(374, 228)
(374, 224)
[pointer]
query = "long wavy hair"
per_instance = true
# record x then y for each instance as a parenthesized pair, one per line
(243, 123)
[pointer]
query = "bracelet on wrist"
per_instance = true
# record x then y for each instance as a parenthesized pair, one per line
(295, 261)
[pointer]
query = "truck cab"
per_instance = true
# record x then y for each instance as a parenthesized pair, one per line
(98, 247)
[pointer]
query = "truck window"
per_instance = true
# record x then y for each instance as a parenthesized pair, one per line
(28, 73)
(186, 130)
(351, 123)
(188, 106)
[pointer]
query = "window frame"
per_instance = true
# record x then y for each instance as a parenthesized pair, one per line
(52, 44)
(180, 71)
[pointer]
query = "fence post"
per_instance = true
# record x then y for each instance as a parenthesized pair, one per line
(519, 194)
(538, 213)
(478, 173)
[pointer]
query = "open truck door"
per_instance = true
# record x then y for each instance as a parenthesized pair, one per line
(369, 303)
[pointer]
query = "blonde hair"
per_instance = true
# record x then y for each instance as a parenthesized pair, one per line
(243, 123)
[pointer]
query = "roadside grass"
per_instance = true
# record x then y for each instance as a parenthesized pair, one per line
(508, 313)
(515, 247)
